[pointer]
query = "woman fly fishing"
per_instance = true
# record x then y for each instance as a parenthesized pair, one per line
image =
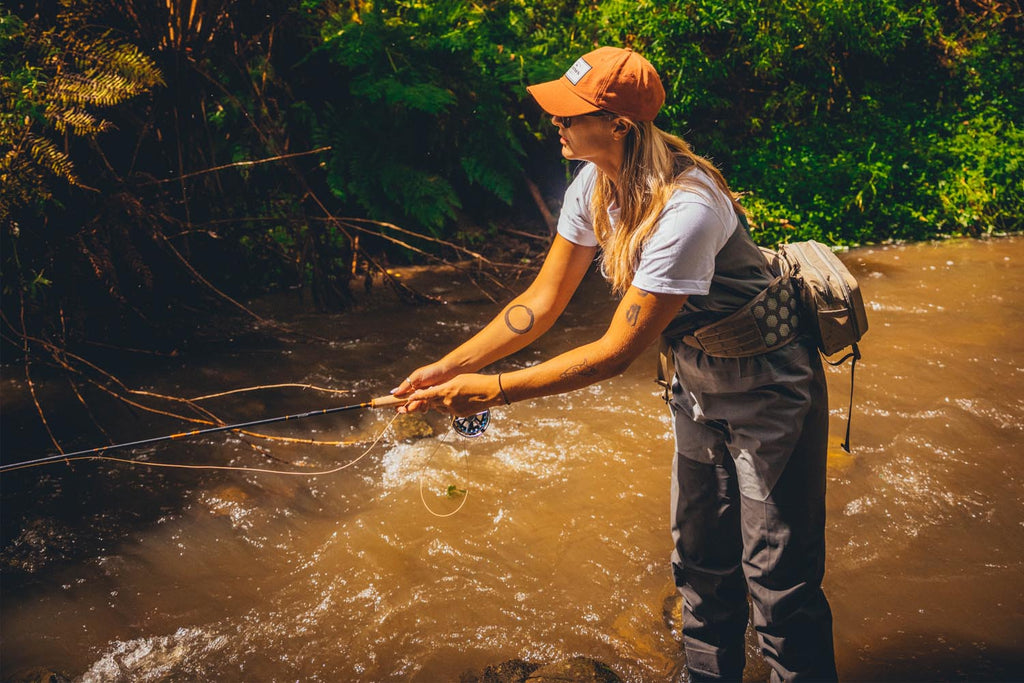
(748, 485)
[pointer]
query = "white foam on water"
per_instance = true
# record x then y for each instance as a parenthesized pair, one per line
(405, 463)
(154, 658)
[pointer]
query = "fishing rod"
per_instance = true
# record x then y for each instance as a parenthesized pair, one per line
(471, 426)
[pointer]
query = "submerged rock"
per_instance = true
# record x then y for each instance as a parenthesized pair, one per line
(576, 670)
(512, 671)
(411, 426)
(37, 675)
(573, 670)
(41, 542)
(224, 499)
(672, 615)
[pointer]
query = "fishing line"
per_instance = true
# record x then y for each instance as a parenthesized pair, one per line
(181, 466)
(59, 457)
(423, 498)
(264, 470)
(284, 385)
(471, 426)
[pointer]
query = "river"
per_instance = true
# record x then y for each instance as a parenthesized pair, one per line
(545, 538)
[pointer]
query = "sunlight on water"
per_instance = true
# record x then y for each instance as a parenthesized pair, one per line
(559, 543)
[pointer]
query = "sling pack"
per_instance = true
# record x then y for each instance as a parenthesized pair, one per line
(831, 310)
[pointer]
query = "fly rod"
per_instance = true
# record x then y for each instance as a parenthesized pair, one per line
(382, 402)
(473, 425)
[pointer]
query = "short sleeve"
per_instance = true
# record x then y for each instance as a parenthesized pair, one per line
(575, 222)
(679, 258)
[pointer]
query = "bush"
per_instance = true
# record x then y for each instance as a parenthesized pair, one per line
(843, 122)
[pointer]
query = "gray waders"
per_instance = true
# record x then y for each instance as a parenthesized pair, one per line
(748, 510)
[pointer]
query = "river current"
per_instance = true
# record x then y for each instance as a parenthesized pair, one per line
(547, 537)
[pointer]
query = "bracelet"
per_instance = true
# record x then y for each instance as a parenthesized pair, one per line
(502, 390)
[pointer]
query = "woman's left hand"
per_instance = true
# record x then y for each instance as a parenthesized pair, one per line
(461, 396)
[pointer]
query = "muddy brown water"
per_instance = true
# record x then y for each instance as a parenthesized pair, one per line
(561, 544)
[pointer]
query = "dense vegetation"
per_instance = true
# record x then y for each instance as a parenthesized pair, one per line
(311, 143)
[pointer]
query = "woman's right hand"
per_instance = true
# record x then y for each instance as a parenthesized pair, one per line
(422, 378)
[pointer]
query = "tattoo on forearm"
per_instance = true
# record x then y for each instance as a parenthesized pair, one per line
(633, 314)
(581, 369)
(519, 319)
(641, 293)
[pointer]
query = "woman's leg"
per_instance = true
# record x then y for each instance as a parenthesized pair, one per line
(784, 538)
(706, 562)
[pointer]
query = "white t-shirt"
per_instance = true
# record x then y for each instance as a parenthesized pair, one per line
(679, 257)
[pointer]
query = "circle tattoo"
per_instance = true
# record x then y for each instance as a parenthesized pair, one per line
(520, 326)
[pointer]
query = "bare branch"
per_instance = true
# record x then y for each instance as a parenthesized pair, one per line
(237, 164)
(28, 372)
(209, 284)
(269, 386)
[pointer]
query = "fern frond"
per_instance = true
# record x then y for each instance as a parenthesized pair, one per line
(97, 57)
(423, 97)
(54, 81)
(126, 60)
(80, 121)
(101, 90)
(481, 173)
(45, 153)
(423, 196)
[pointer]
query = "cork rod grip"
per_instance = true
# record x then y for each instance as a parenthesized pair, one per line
(388, 401)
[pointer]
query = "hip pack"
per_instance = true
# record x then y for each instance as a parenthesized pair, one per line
(830, 296)
(833, 307)
(830, 309)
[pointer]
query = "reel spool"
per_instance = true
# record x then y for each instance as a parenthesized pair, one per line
(472, 425)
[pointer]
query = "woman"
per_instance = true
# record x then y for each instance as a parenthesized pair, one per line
(749, 469)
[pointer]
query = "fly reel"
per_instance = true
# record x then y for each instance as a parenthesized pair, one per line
(472, 425)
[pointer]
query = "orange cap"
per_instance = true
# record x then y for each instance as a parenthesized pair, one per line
(611, 78)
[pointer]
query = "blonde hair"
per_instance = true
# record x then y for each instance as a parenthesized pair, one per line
(652, 169)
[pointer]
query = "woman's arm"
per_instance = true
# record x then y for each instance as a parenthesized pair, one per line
(638, 321)
(521, 322)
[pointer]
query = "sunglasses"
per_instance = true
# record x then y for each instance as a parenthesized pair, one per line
(566, 121)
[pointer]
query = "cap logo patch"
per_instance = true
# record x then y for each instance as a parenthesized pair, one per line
(578, 71)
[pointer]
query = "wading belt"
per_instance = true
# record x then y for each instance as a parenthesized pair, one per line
(767, 322)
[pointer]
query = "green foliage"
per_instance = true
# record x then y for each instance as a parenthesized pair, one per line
(927, 147)
(425, 112)
(845, 122)
(981, 186)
